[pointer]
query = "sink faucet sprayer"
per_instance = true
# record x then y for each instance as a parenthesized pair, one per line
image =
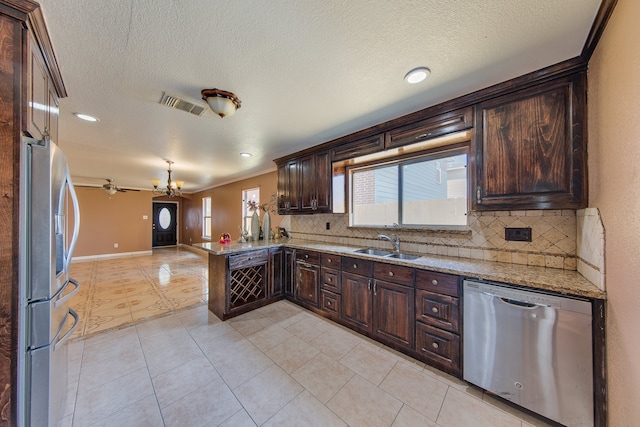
(395, 240)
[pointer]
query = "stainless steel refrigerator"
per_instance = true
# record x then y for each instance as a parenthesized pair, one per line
(46, 321)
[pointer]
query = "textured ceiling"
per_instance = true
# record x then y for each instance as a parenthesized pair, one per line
(306, 71)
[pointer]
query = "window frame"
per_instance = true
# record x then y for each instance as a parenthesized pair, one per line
(246, 215)
(205, 217)
(414, 157)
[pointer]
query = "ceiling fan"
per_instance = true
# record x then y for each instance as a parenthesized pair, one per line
(110, 188)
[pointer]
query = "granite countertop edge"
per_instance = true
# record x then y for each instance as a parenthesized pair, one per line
(568, 282)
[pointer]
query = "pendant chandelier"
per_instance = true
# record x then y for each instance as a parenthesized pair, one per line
(174, 188)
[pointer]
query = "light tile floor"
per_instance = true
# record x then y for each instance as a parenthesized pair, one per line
(119, 291)
(279, 365)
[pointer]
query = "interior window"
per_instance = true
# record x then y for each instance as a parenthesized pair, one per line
(423, 191)
(250, 197)
(206, 217)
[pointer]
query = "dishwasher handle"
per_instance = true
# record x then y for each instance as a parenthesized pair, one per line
(514, 302)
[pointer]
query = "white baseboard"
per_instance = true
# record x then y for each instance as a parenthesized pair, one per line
(106, 256)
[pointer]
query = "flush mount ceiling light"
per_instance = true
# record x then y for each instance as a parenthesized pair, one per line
(246, 154)
(86, 117)
(417, 75)
(174, 188)
(222, 103)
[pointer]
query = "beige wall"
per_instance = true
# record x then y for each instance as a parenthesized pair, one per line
(614, 168)
(105, 220)
(226, 205)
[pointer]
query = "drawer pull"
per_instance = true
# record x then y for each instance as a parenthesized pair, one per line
(329, 260)
(306, 256)
(434, 282)
(328, 302)
(355, 266)
(329, 279)
(434, 309)
(391, 273)
(435, 345)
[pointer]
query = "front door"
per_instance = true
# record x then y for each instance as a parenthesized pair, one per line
(164, 224)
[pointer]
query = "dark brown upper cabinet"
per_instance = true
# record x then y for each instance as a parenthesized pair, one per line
(315, 183)
(442, 124)
(304, 184)
(371, 144)
(288, 187)
(530, 148)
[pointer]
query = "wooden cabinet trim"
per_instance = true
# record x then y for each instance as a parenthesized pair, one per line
(431, 127)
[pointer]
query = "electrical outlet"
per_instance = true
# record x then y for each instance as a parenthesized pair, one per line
(115, 245)
(518, 234)
(328, 226)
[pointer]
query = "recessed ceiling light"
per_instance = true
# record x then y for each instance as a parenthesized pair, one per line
(86, 117)
(417, 75)
(246, 154)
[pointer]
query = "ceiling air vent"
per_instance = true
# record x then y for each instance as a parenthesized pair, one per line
(181, 104)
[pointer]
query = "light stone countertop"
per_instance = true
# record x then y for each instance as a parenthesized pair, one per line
(567, 282)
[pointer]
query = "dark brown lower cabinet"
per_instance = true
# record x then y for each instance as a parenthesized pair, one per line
(238, 283)
(330, 303)
(307, 289)
(439, 347)
(276, 272)
(393, 318)
(357, 302)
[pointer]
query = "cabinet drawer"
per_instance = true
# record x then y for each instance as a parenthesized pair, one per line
(330, 261)
(308, 256)
(248, 259)
(330, 280)
(442, 124)
(362, 267)
(358, 148)
(441, 311)
(393, 273)
(437, 282)
(331, 302)
(440, 348)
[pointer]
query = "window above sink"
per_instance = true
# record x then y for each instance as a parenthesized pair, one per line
(429, 190)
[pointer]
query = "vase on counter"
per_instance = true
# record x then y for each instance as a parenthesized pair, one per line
(255, 227)
(266, 225)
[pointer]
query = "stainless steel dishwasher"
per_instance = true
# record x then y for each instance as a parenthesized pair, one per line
(531, 348)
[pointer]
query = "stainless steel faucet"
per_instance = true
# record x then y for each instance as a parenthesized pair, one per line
(395, 240)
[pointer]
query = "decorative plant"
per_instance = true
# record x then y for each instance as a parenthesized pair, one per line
(269, 206)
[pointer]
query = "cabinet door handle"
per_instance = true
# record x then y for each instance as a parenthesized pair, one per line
(375, 287)
(369, 286)
(434, 282)
(478, 194)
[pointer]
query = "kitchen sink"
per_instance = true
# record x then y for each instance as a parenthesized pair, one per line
(373, 251)
(400, 255)
(386, 254)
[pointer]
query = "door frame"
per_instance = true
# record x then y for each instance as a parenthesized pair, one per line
(177, 203)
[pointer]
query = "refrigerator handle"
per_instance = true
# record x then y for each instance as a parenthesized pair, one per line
(76, 221)
(70, 294)
(61, 340)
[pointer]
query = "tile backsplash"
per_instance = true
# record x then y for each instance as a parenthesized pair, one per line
(553, 237)
(590, 246)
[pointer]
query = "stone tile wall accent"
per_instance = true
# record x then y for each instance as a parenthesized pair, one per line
(553, 237)
(590, 246)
